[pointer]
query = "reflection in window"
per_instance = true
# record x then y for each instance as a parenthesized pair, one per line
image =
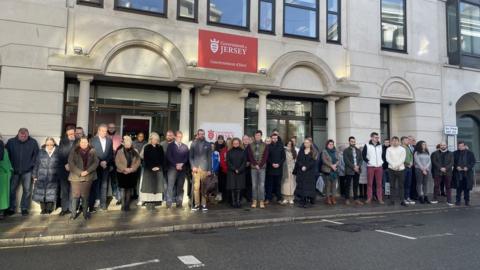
(187, 9)
(393, 25)
(470, 28)
(229, 12)
(385, 121)
(266, 15)
(333, 20)
(151, 6)
(301, 18)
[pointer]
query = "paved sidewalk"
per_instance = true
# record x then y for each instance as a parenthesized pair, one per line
(35, 229)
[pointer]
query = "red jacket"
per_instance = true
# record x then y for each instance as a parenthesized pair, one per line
(223, 160)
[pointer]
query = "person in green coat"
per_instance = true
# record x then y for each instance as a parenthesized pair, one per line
(5, 174)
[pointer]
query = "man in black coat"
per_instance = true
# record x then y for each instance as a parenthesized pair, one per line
(352, 157)
(64, 149)
(104, 149)
(464, 164)
(442, 169)
(23, 151)
(276, 158)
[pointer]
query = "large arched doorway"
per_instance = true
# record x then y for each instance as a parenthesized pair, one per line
(468, 123)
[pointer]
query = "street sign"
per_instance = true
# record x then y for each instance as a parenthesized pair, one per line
(451, 130)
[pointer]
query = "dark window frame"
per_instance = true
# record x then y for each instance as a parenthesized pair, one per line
(273, 2)
(473, 3)
(85, 3)
(116, 6)
(405, 34)
(195, 13)
(317, 11)
(337, 13)
(231, 26)
(385, 107)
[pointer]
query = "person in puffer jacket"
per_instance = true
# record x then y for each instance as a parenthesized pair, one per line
(372, 155)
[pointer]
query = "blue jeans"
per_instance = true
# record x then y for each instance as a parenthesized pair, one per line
(407, 183)
(385, 179)
(258, 184)
(25, 179)
(462, 187)
(100, 188)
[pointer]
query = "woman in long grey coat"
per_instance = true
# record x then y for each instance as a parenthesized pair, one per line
(236, 162)
(153, 181)
(46, 175)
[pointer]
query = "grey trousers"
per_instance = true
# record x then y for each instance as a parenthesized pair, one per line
(175, 178)
(258, 184)
(422, 181)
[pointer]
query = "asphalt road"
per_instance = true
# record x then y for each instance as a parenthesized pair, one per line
(447, 239)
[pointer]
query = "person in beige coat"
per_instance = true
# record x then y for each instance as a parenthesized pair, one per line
(83, 163)
(289, 183)
(127, 161)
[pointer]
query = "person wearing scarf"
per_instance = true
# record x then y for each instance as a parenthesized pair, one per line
(330, 163)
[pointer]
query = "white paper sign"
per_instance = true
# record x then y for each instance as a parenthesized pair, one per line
(451, 130)
(228, 130)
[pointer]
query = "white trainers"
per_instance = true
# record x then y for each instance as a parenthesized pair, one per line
(434, 202)
(219, 197)
(291, 202)
(139, 203)
(410, 202)
(97, 203)
(450, 204)
(284, 202)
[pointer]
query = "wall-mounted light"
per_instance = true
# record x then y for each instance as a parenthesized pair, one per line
(262, 71)
(78, 50)
(192, 63)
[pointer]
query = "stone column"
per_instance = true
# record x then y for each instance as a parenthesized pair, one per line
(262, 111)
(184, 125)
(84, 101)
(332, 119)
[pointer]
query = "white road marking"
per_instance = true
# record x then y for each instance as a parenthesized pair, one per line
(252, 227)
(131, 265)
(332, 221)
(191, 261)
(396, 234)
(436, 235)
(148, 236)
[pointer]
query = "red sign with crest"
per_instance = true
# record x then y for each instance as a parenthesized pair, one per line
(226, 51)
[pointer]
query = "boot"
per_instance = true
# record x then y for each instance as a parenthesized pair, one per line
(305, 202)
(334, 200)
(328, 201)
(254, 204)
(262, 204)
(427, 201)
(86, 214)
(421, 199)
(239, 199)
(74, 208)
(49, 207)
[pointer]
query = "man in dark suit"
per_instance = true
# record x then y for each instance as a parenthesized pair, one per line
(104, 149)
(463, 164)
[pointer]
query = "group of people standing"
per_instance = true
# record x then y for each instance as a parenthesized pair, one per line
(80, 171)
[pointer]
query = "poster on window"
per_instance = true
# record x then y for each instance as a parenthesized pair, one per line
(228, 130)
(226, 51)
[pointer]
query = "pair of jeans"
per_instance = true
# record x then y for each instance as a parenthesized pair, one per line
(175, 179)
(462, 187)
(199, 189)
(273, 186)
(258, 184)
(377, 174)
(447, 181)
(116, 191)
(407, 182)
(65, 193)
(422, 181)
(386, 179)
(348, 182)
(24, 179)
(100, 188)
(397, 179)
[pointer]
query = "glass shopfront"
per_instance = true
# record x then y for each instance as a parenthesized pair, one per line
(128, 106)
(292, 117)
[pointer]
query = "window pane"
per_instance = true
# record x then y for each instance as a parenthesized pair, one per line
(333, 5)
(94, 2)
(332, 27)
(470, 28)
(304, 3)
(231, 12)
(300, 22)
(187, 8)
(156, 6)
(266, 16)
(393, 20)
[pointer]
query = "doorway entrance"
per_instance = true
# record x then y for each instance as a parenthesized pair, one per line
(132, 125)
